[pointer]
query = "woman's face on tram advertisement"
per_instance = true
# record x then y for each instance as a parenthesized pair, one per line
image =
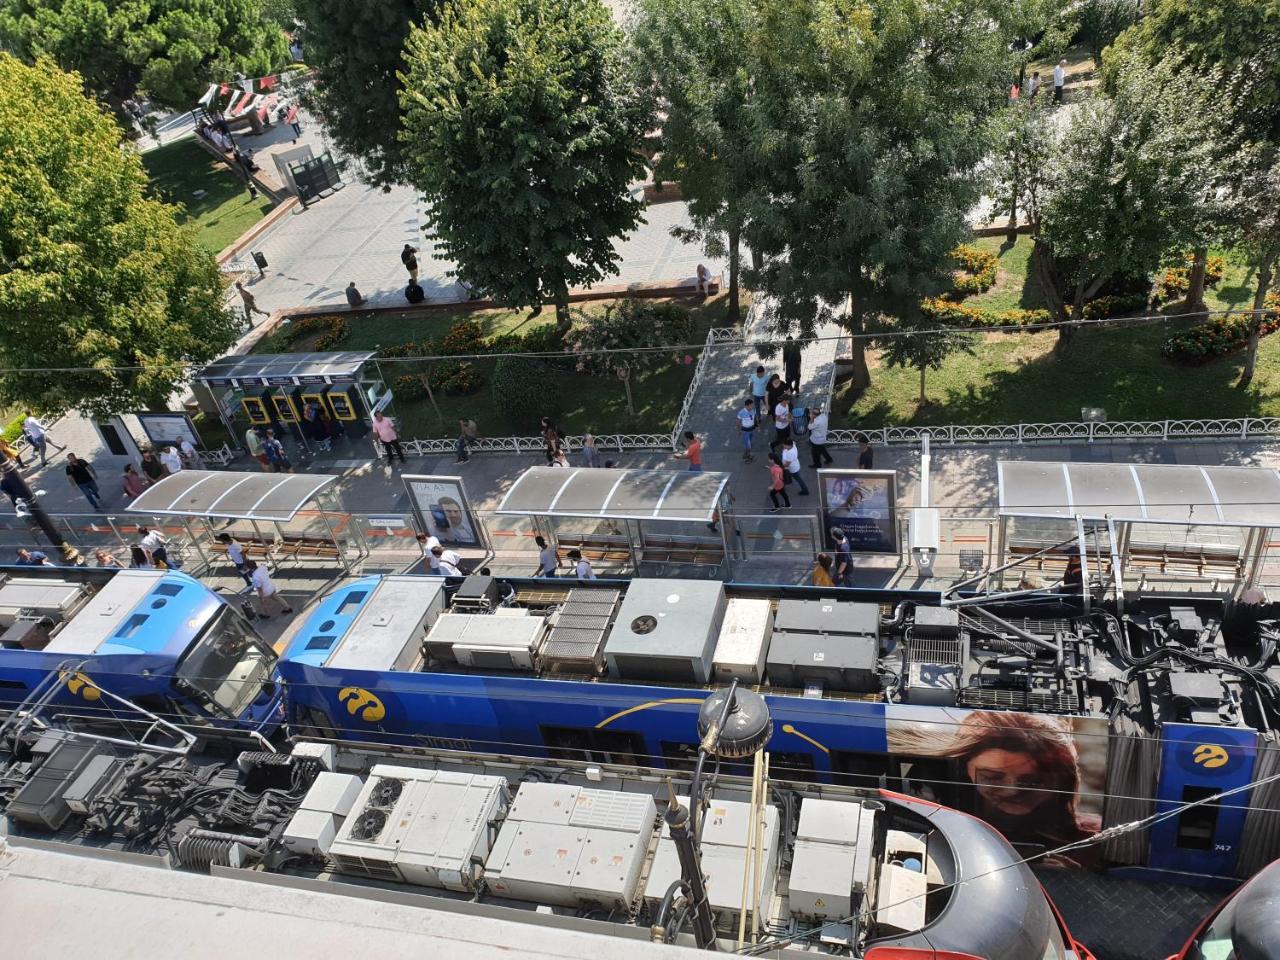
(1011, 782)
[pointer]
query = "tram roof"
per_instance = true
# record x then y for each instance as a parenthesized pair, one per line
(230, 495)
(615, 494)
(284, 369)
(1141, 492)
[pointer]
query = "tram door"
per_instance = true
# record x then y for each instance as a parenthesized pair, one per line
(1198, 762)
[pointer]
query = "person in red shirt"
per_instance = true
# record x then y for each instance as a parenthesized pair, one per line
(777, 485)
(692, 451)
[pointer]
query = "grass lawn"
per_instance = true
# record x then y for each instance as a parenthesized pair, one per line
(180, 169)
(589, 402)
(1013, 289)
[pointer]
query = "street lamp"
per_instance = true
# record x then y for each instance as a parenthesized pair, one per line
(15, 486)
(733, 724)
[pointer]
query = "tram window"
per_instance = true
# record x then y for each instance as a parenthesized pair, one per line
(12, 685)
(792, 766)
(870, 770)
(595, 746)
(680, 756)
(623, 748)
(566, 743)
(1197, 826)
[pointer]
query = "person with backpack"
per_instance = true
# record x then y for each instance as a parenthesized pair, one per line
(275, 454)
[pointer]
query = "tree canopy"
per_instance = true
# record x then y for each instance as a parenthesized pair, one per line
(871, 122)
(97, 282)
(169, 49)
(357, 51)
(523, 135)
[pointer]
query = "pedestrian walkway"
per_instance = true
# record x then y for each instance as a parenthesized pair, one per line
(727, 371)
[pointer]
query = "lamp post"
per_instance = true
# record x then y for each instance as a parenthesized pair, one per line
(15, 485)
(732, 724)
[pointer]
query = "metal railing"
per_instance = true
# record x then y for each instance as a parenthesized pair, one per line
(714, 336)
(1240, 428)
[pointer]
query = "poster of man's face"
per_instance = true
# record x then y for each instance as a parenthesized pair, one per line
(444, 511)
(862, 504)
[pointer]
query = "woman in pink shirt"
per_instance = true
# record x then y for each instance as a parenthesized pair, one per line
(776, 484)
(385, 431)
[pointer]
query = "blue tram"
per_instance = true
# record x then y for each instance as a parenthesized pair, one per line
(1046, 721)
(160, 639)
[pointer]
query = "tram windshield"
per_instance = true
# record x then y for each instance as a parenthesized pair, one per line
(227, 666)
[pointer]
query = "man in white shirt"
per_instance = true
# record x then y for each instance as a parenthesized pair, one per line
(428, 543)
(153, 543)
(445, 563)
(265, 588)
(1059, 79)
(189, 454)
(791, 464)
(581, 567)
(781, 422)
(818, 438)
(747, 428)
(235, 553)
(548, 562)
(171, 460)
(38, 436)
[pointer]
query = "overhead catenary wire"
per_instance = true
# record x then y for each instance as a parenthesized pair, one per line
(772, 344)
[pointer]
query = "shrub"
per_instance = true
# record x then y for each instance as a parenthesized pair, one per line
(464, 337)
(456, 377)
(977, 270)
(1218, 336)
(952, 314)
(409, 388)
(524, 391)
(634, 326)
(1175, 281)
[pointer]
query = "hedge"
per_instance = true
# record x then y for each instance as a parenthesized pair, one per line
(1219, 336)
(524, 391)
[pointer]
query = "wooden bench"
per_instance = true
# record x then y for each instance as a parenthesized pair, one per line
(1198, 559)
(614, 551)
(682, 550)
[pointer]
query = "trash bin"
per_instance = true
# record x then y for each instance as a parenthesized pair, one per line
(799, 421)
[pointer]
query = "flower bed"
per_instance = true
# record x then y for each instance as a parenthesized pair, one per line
(977, 272)
(1219, 336)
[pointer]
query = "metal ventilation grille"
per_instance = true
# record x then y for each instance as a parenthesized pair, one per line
(933, 651)
(365, 868)
(576, 640)
(1035, 701)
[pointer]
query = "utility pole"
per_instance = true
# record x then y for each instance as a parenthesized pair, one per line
(15, 485)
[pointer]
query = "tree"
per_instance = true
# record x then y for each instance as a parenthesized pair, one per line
(621, 340)
(870, 125)
(97, 282)
(170, 50)
(1122, 182)
(1022, 137)
(692, 57)
(919, 342)
(283, 13)
(523, 135)
(1034, 29)
(357, 50)
(1100, 22)
(1255, 228)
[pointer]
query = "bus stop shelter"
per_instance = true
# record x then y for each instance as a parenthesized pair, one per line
(288, 513)
(1214, 521)
(659, 521)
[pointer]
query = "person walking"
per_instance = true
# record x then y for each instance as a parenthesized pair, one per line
(590, 452)
(385, 431)
(38, 436)
(866, 458)
(844, 557)
(692, 452)
(1060, 81)
(466, 438)
(291, 118)
(276, 457)
(818, 438)
(551, 437)
(1033, 85)
(548, 562)
(171, 461)
(581, 566)
(154, 545)
(759, 387)
(152, 468)
(354, 299)
(235, 553)
(250, 304)
(821, 576)
(774, 390)
(791, 460)
(791, 365)
(133, 483)
(777, 483)
(253, 443)
(81, 474)
(265, 588)
(409, 257)
(781, 422)
(747, 428)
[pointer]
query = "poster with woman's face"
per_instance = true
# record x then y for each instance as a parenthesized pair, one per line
(861, 503)
(1038, 779)
(443, 510)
